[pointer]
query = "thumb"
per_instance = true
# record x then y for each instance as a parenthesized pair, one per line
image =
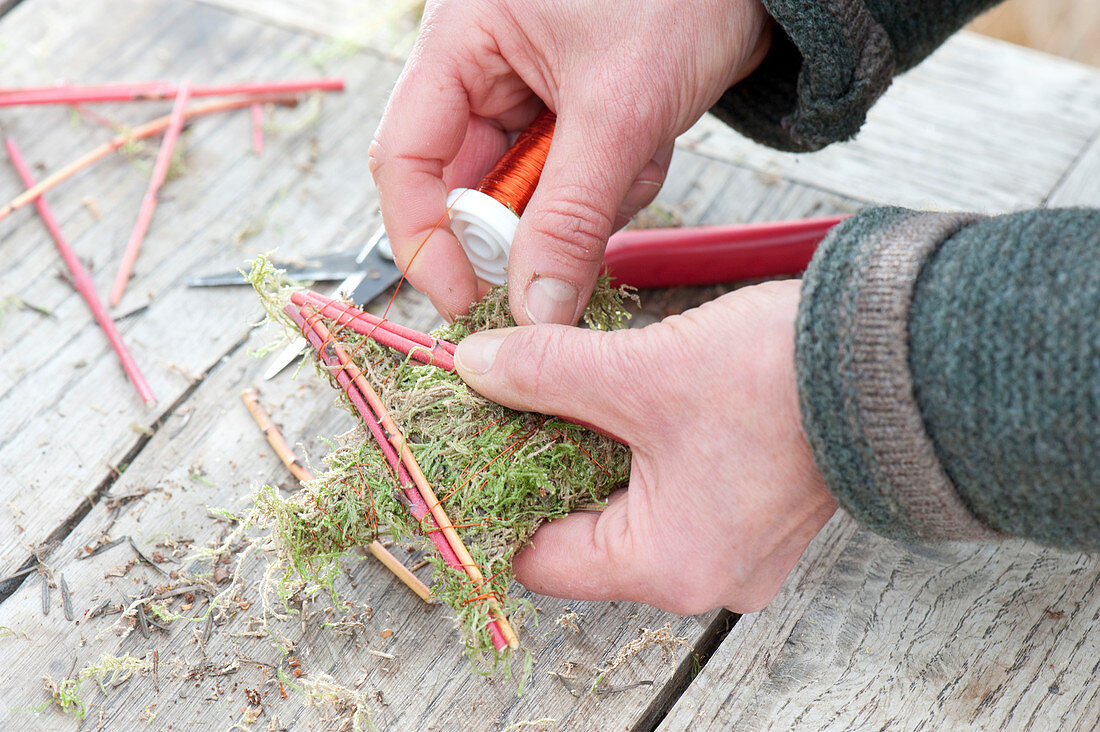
(584, 556)
(553, 369)
(559, 243)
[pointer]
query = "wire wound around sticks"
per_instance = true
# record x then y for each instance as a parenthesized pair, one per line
(484, 219)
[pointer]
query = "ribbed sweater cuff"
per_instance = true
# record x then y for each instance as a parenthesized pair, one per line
(827, 66)
(856, 391)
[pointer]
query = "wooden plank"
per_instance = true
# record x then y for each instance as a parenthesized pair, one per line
(58, 376)
(981, 125)
(387, 26)
(874, 633)
(317, 203)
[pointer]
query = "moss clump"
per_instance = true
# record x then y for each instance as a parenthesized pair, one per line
(499, 473)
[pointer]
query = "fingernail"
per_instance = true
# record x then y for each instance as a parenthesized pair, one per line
(639, 196)
(550, 300)
(477, 353)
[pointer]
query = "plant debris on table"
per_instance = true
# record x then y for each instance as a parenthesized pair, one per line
(498, 473)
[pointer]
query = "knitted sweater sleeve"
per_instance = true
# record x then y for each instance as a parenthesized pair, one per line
(949, 373)
(830, 61)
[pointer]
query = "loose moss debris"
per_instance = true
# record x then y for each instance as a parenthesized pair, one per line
(111, 671)
(499, 473)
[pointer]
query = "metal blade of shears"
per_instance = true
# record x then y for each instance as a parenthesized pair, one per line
(327, 268)
(375, 274)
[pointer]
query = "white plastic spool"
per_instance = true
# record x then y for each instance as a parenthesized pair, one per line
(485, 227)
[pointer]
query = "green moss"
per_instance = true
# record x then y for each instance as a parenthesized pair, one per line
(499, 473)
(109, 672)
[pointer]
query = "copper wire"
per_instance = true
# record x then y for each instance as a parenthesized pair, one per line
(513, 179)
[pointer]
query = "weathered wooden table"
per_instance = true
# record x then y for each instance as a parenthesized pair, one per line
(866, 633)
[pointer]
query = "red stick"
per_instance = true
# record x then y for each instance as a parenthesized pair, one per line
(412, 343)
(82, 281)
(404, 331)
(257, 128)
(149, 202)
(418, 508)
(129, 92)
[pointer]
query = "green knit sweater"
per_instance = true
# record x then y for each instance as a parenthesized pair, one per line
(948, 364)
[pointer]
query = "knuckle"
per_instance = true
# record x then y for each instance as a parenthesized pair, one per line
(540, 350)
(376, 156)
(573, 228)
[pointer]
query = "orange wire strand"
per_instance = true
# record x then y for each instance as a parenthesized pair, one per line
(581, 447)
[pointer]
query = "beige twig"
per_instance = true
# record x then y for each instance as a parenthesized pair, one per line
(251, 398)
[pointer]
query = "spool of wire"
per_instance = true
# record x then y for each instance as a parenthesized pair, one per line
(484, 219)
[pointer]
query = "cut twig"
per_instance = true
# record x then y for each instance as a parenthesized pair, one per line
(138, 133)
(251, 399)
(82, 281)
(149, 202)
(104, 547)
(397, 439)
(147, 90)
(144, 559)
(294, 465)
(66, 599)
(415, 344)
(402, 572)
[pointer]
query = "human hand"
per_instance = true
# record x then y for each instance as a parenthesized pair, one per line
(624, 80)
(724, 495)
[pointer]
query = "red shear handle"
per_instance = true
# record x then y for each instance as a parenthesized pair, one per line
(708, 255)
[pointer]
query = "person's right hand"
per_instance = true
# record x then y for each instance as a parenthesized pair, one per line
(624, 80)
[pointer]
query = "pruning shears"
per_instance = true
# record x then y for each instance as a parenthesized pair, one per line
(364, 273)
(699, 255)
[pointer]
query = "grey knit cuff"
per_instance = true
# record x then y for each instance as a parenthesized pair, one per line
(855, 386)
(827, 65)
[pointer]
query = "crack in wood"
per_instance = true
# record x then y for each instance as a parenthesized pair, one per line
(10, 585)
(6, 5)
(690, 667)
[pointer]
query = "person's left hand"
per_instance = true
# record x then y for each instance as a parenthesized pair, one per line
(724, 495)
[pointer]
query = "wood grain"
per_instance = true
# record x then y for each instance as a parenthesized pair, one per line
(979, 126)
(385, 26)
(209, 454)
(1081, 184)
(871, 633)
(212, 455)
